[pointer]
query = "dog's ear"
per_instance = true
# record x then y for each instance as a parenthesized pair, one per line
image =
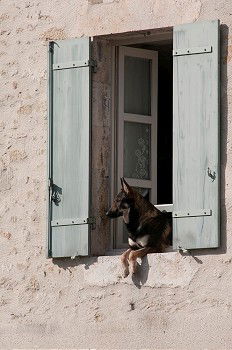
(126, 188)
(145, 193)
(121, 179)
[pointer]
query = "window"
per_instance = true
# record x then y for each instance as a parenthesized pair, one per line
(179, 141)
(137, 124)
(145, 129)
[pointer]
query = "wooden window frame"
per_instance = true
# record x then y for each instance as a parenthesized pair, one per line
(150, 120)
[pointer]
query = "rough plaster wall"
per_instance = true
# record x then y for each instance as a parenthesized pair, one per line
(174, 302)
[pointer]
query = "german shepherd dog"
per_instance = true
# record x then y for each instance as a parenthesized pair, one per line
(149, 229)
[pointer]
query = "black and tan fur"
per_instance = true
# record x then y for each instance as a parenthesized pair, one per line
(149, 229)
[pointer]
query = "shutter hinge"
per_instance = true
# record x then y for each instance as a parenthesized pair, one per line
(49, 253)
(50, 47)
(192, 213)
(68, 65)
(93, 64)
(75, 64)
(74, 221)
(192, 51)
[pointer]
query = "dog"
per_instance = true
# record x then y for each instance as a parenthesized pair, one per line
(149, 229)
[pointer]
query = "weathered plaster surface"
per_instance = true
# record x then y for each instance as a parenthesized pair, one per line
(175, 301)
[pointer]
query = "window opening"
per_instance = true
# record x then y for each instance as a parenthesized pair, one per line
(145, 139)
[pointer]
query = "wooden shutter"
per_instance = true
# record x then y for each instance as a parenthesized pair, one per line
(69, 147)
(196, 135)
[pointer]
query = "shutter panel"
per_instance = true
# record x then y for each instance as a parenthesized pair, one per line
(196, 135)
(69, 147)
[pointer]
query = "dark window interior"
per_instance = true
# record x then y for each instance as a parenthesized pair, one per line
(164, 159)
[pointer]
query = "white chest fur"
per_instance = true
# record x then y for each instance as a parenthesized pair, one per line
(139, 242)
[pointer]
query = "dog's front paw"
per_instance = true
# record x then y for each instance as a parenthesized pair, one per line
(125, 272)
(133, 267)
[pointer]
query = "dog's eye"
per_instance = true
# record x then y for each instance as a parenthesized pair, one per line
(124, 206)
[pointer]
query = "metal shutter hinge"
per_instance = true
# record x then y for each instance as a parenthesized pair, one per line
(93, 64)
(75, 64)
(192, 51)
(192, 213)
(50, 47)
(75, 221)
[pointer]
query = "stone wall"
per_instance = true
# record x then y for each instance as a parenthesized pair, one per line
(175, 301)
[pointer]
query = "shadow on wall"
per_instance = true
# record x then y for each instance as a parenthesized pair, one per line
(141, 275)
(139, 278)
(67, 263)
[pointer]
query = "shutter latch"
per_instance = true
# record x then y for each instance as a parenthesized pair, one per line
(55, 192)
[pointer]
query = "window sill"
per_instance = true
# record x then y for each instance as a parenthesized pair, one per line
(155, 270)
(119, 251)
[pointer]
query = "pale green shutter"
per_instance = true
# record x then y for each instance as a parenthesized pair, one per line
(196, 169)
(69, 147)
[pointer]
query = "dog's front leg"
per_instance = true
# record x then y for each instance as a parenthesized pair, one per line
(140, 253)
(124, 260)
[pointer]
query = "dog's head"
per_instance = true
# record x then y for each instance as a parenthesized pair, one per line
(122, 202)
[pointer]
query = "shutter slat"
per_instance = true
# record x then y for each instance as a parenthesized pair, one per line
(196, 135)
(70, 143)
